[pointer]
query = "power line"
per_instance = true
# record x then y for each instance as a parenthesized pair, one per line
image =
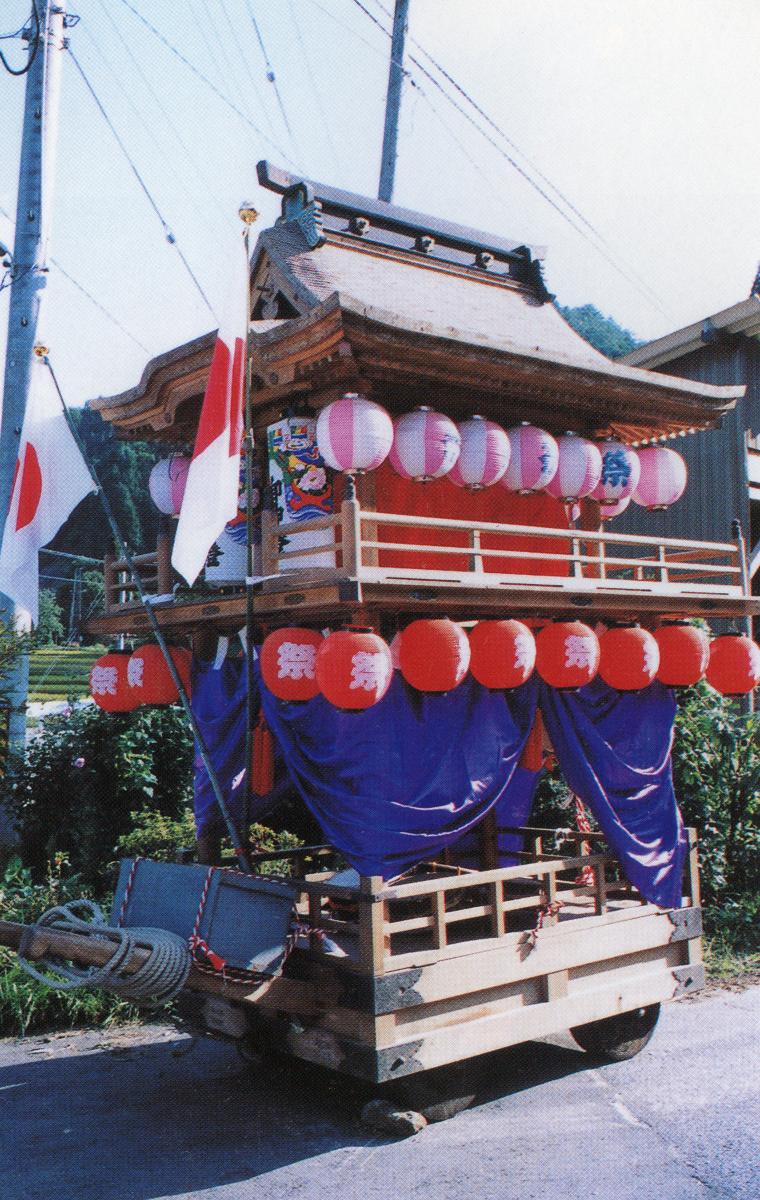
(54, 262)
(246, 64)
(209, 83)
(170, 237)
(196, 163)
(114, 75)
(34, 42)
(312, 80)
(588, 232)
(272, 78)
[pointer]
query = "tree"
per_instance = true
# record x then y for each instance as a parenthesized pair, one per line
(604, 333)
(50, 622)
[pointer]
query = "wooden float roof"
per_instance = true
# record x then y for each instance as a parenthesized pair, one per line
(350, 293)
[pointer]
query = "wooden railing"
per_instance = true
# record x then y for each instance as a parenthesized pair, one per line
(448, 910)
(155, 571)
(369, 545)
(589, 560)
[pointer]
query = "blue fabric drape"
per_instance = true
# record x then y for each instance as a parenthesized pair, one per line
(402, 780)
(219, 704)
(614, 751)
(416, 773)
(512, 808)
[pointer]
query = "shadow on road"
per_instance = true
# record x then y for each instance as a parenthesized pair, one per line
(168, 1118)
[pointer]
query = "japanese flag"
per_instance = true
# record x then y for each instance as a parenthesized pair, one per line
(213, 481)
(50, 479)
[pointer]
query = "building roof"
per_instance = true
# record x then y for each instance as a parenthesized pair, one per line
(354, 293)
(742, 318)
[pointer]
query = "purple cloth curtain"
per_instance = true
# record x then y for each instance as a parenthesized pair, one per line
(614, 751)
(414, 774)
(402, 780)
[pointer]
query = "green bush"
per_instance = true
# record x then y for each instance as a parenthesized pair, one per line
(87, 772)
(156, 835)
(25, 1004)
(716, 771)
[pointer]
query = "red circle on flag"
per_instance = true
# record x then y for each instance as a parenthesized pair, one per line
(31, 488)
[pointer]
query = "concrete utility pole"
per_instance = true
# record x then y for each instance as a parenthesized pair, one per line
(28, 278)
(393, 100)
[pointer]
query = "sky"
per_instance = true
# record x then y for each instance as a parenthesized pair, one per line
(642, 114)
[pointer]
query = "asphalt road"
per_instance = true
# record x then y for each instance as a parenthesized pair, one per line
(145, 1113)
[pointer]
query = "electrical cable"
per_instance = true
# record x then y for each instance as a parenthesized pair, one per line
(170, 237)
(35, 40)
(272, 78)
(315, 89)
(148, 127)
(596, 241)
(246, 64)
(209, 83)
(114, 320)
(195, 162)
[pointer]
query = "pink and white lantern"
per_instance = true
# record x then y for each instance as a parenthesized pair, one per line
(354, 434)
(579, 469)
(608, 511)
(425, 446)
(166, 483)
(534, 460)
(620, 472)
(484, 454)
(662, 480)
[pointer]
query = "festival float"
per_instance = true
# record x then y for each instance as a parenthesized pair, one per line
(433, 601)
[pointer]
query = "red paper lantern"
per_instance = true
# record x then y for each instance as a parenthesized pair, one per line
(734, 666)
(354, 668)
(567, 654)
(149, 678)
(289, 663)
(628, 657)
(434, 655)
(684, 654)
(502, 653)
(108, 683)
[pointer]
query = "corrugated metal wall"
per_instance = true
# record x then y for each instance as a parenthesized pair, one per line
(717, 488)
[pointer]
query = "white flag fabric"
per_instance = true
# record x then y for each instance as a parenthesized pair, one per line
(213, 480)
(50, 479)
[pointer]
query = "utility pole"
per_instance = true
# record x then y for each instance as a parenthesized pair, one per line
(28, 278)
(393, 100)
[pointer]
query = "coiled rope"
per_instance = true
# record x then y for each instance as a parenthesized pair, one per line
(160, 978)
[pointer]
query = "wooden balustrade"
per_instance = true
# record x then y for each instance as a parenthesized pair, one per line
(486, 555)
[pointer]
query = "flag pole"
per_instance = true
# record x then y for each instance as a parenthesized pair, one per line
(248, 215)
(233, 833)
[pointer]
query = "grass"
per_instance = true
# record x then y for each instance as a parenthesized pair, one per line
(60, 672)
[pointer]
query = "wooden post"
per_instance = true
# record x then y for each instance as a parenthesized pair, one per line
(351, 530)
(164, 557)
(109, 582)
(439, 919)
(270, 545)
(489, 843)
(476, 559)
(372, 918)
(692, 868)
(662, 559)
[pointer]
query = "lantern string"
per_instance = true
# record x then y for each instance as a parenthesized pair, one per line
(155, 627)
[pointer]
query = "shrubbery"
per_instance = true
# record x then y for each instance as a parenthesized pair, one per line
(86, 775)
(25, 1004)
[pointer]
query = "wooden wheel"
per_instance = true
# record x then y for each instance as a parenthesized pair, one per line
(617, 1038)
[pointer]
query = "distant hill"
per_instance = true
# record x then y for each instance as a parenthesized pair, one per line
(604, 333)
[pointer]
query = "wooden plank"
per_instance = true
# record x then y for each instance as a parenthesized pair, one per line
(515, 995)
(620, 539)
(403, 891)
(372, 917)
(507, 1028)
(484, 952)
